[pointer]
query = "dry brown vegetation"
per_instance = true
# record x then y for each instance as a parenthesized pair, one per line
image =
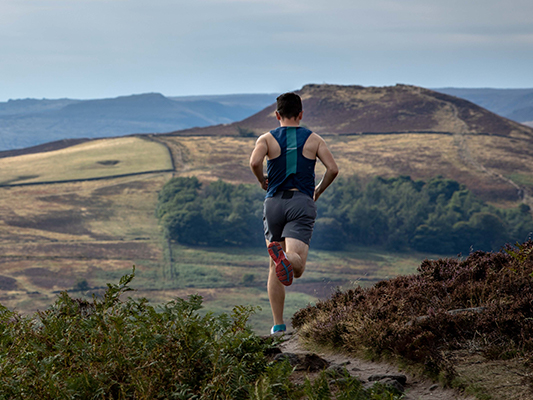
(52, 237)
(487, 165)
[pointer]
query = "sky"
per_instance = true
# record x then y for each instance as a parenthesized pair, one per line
(86, 49)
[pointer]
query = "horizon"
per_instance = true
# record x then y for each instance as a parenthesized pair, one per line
(252, 93)
(91, 49)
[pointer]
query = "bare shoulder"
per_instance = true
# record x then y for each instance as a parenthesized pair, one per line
(316, 140)
(263, 139)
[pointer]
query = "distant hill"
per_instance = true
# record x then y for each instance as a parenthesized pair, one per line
(373, 131)
(388, 131)
(31, 122)
(336, 109)
(515, 104)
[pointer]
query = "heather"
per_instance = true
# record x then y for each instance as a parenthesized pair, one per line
(482, 302)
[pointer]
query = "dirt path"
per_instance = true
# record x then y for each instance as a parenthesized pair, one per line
(416, 388)
(467, 158)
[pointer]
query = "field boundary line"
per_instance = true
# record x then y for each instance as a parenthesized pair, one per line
(96, 178)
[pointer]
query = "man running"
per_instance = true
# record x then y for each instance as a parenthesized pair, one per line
(289, 211)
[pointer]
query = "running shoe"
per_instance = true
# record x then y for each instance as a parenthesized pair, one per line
(283, 266)
(278, 330)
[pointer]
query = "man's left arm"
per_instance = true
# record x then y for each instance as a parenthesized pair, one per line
(256, 161)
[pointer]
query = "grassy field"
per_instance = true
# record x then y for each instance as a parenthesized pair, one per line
(93, 159)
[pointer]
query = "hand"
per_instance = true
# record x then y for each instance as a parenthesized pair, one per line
(264, 184)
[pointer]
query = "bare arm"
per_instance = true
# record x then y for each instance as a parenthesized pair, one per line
(256, 161)
(332, 170)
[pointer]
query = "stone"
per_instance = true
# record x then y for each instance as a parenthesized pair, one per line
(392, 383)
(294, 359)
(402, 379)
(312, 363)
(272, 351)
(388, 383)
(337, 370)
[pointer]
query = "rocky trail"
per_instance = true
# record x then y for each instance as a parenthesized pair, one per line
(309, 364)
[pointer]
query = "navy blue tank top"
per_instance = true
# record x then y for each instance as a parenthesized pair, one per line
(291, 169)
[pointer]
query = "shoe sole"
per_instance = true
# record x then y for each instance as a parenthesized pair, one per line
(284, 270)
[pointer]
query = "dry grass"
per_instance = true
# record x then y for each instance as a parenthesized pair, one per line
(501, 379)
(54, 236)
(94, 159)
(479, 162)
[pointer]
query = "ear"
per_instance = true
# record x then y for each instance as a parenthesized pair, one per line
(300, 116)
(278, 117)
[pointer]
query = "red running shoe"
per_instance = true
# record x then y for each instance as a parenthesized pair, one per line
(283, 266)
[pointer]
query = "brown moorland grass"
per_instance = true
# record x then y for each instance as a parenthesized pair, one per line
(52, 237)
(421, 156)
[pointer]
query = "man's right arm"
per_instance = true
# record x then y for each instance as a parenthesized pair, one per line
(325, 156)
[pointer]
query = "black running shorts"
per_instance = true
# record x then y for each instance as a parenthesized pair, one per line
(289, 214)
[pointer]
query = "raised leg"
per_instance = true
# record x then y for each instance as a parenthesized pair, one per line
(296, 252)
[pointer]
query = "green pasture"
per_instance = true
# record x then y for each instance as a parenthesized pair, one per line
(93, 159)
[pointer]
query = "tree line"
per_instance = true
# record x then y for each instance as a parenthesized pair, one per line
(439, 216)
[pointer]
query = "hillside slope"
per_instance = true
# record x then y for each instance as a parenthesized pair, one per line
(515, 104)
(336, 109)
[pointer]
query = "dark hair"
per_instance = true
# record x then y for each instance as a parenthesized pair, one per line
(289, 105)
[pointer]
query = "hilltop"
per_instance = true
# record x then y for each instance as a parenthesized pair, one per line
(345, 110)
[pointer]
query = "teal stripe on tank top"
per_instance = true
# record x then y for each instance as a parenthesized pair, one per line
(292, 155)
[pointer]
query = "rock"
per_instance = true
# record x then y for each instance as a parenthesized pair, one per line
(433, 387)
(388, 383)
(401, 379)
(294, 359)
(272, 351)
(464, 310)
(392, 383)
(307, 362)
(337, 370)
(313, 363)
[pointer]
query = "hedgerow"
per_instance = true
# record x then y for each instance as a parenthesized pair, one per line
(110, 348)
(485, 301)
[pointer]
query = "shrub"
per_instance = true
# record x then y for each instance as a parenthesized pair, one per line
(409, 316)
(109, 348)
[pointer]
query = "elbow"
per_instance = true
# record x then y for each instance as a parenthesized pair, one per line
(334, 171)
(254, 164)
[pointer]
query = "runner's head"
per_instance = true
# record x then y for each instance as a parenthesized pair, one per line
(289, 105)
